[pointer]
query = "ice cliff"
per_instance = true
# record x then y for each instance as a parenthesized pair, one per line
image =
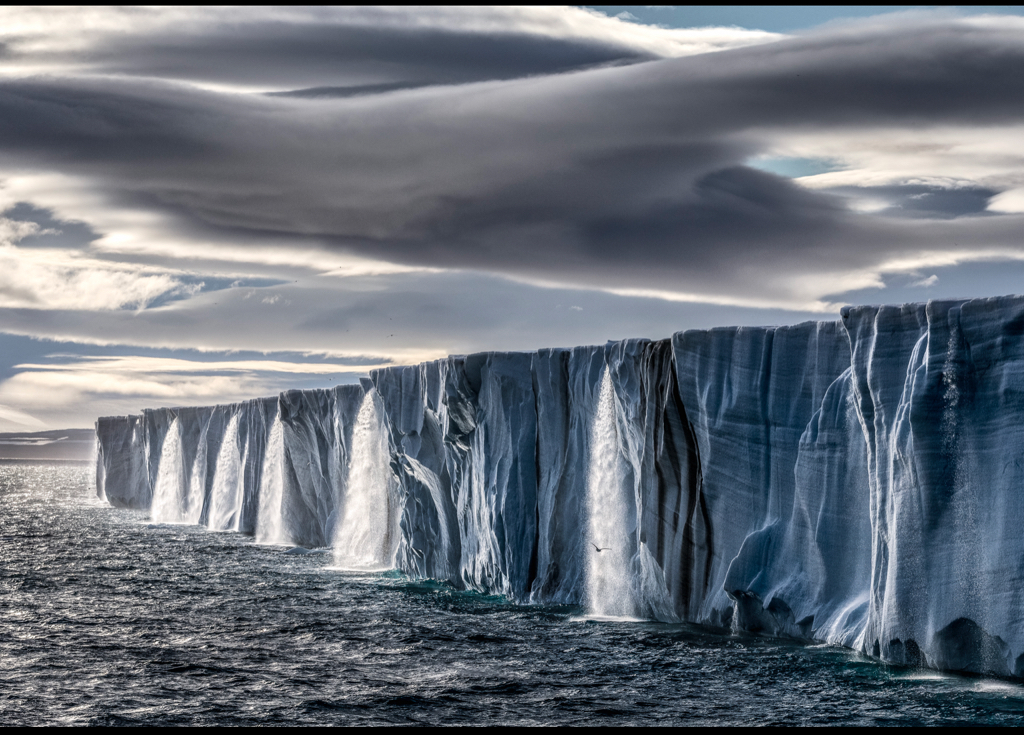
(853, 481)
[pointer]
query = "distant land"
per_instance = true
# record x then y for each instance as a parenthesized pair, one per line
(62, 445)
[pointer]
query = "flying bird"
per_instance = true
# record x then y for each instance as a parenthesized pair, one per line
(597, 548)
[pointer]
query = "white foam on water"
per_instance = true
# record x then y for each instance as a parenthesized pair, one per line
(925, 675)
(1005, 688)
(591, 618)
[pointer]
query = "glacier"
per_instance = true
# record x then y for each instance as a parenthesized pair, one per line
(855, 481)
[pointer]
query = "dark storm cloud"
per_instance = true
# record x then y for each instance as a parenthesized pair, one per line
(899, 72)
(626, 177)
(356, 90)
(281, 55)
(306, 47)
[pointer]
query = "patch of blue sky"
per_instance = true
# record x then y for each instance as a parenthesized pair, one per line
(52, 233)
(775, 18)
(794, 168)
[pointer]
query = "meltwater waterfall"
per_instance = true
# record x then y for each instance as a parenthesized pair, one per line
(169, 492)
(270, 521)
(366, 537)
(856, 481)
(227, 492)
(609, 588)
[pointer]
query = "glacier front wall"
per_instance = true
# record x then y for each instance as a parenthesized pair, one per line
(854, 481)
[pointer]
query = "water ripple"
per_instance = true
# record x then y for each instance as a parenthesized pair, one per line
(111, 620)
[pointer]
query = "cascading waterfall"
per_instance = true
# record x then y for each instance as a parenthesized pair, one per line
(365, 538)
(270, 525)
(196, 495)
(169, 490)
(226, 497)
(609, 588)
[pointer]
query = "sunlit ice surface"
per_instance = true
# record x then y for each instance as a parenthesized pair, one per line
(108, 618)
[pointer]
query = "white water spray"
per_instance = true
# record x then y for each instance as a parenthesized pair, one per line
(365, 538)
(609, 591)
(168, 494)
(227, 494)
(270, 526)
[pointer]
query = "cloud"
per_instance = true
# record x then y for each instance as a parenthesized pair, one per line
(389, 186)
(19, 419)
(616, 161)
(66, 279)
(987, 154)
(281, 49)
(132, 364)
(1010, 201)
(60, 280)
(12, 231)
(337, 328)
(626, 178)
(398, 318)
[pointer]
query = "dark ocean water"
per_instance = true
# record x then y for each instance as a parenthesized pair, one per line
(105, 619)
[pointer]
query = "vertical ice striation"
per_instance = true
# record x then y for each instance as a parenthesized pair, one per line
(121, 462)
(853, 481)
(940, 389)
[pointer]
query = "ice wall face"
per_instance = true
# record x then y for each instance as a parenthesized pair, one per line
(209, 465)
(851, 481)
(121, 474)
(940, 388)
(782, 477)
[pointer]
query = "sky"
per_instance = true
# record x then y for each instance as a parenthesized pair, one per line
(199, 206)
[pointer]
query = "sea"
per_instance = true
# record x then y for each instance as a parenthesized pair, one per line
(109, 619)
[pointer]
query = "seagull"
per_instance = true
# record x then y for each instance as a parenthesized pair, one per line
(597, 548)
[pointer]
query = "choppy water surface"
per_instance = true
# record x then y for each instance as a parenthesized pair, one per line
(107, 619)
